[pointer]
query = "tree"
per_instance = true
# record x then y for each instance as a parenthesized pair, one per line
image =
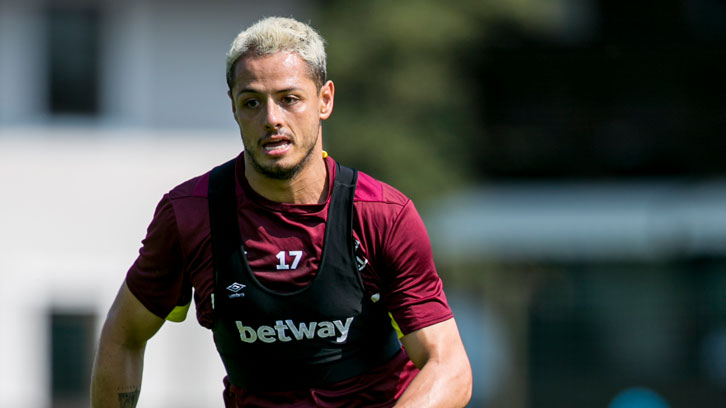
(405, 110)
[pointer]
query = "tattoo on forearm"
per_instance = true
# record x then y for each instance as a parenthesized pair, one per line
(128, 399)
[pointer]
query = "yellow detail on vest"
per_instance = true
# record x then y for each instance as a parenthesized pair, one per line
(395, 326)
(179, 313)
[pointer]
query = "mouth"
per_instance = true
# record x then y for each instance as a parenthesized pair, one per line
(277, 144)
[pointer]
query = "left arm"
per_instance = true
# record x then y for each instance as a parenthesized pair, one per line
(445, 376)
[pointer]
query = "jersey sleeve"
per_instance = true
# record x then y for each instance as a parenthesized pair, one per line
(156, 278)
(413, 291)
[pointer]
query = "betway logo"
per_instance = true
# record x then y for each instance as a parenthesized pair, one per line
(271, 334)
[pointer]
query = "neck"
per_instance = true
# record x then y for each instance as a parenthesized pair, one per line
(308, 186)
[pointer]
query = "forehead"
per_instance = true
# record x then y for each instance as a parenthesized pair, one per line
(281, 69)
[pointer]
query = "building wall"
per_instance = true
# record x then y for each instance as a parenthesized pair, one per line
(161, 61)
(75, 207)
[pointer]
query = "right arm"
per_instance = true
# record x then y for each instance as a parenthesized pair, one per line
(117, 370)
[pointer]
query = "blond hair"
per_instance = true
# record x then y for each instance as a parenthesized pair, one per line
(275, 34)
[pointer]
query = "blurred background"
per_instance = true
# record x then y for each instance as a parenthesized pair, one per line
(566, 156)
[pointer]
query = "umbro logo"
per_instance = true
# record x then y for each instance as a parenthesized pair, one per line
(235, 288)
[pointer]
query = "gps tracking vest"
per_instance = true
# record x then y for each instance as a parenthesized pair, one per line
(324, 333)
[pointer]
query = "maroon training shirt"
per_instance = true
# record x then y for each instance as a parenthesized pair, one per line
(284, 243)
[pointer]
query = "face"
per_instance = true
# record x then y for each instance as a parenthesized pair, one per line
(279, 110)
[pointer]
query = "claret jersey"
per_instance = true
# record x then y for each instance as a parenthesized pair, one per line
(283, 246)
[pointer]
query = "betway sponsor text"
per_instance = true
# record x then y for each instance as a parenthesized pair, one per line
(279, 332)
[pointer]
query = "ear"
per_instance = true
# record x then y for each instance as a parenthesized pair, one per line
(327, 96)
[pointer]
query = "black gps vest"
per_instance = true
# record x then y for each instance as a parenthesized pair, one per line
(324, 333)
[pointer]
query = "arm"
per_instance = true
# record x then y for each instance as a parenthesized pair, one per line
(445, 376)
(116, 378)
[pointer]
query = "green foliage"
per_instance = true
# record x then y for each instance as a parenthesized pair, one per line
(404, 111)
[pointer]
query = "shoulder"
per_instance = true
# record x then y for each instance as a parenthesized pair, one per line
(196, 187)
(373, 191)
(378, 206)
(188, 202)
(382, 214)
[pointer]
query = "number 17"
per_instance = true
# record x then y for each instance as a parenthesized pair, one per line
(283, 264)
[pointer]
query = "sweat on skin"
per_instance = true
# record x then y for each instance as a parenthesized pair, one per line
(278, 332)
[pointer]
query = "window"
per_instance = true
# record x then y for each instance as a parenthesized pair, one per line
(71, 358)
(73, 51)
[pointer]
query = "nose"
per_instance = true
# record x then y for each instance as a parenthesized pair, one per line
(273, 115)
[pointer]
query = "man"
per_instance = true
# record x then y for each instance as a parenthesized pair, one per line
(301, 268)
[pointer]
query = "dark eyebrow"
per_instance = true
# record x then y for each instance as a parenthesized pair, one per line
(254, 91)
(246, 90)
(288, 90)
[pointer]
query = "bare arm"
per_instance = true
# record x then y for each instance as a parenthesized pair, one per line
(116, 379)
(445, 376)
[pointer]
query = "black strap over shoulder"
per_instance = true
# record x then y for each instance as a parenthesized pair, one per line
(340, 213)
(226, 239)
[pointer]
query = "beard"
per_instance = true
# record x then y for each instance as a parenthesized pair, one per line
(278, 172)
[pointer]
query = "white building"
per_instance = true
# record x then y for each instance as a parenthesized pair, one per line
(104, 106)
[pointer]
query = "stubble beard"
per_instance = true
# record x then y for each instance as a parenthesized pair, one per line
(278, 172)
